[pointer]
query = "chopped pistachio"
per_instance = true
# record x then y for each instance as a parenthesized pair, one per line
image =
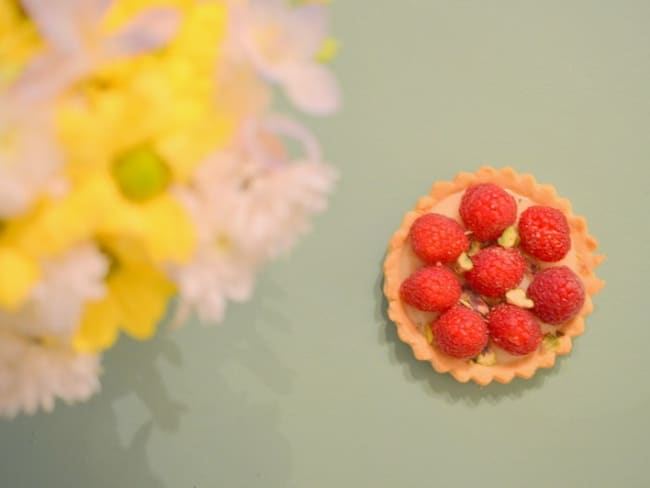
(551, 342)
(464, 263)
(475, 302)
(428, 334)
(518, 297)
(482, 307)
(509, 238)
(474, 247)
(487, 358)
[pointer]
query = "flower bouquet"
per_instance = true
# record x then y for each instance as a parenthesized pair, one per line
(141, 159)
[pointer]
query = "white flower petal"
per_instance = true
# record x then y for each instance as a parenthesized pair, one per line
(312, 88)
(95, 10)
(46, 76)
(15, 195)
(33, 375)
(303, 29)
(71, 27)
(58, 22)
(212, 307)
(308, 26)
(273, 34)
(209, 280)
(56, 304)
(286, 127)
(150, 30)
(277, 207)
(29, 158)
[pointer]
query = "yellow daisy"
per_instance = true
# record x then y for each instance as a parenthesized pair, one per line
(137, 297)
(131, 202)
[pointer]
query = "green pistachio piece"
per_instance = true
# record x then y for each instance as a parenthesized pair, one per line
(518, 297)
(474, 247)
(428, 334)
(464, 263)
(487, 358)
(551, 342)
(509, 238)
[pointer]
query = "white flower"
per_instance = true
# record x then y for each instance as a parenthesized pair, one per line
(30, 158)
(219, 271)
(34, 374)
(56, 303)
(279, 204)
(282, 43)
(212, 278)
(249, 204)
(76, 44)
(280, 199)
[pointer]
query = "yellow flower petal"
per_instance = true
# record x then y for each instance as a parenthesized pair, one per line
(99, 326)
(168, 96)
(142, 295)
(54, 226)
(124, 249)
(18, 275)
(168, 232)
(18, 43)
(186, 147)
(136, 301)
(161, 226)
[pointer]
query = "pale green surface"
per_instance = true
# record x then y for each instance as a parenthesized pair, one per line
(307, 386)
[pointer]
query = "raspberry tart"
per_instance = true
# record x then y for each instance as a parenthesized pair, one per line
(491, 276)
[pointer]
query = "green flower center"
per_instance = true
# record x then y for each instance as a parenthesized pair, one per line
(141, 174)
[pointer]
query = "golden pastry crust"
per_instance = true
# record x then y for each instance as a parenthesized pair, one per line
(524, 367)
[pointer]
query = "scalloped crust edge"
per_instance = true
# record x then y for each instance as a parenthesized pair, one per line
(525, 367)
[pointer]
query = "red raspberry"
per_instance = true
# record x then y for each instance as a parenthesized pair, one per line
(496, 270)
(487, 210)
(432, 289)
(558, 294)
(544, 233)
(460, 332)
(514, 329)
(436, 238)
